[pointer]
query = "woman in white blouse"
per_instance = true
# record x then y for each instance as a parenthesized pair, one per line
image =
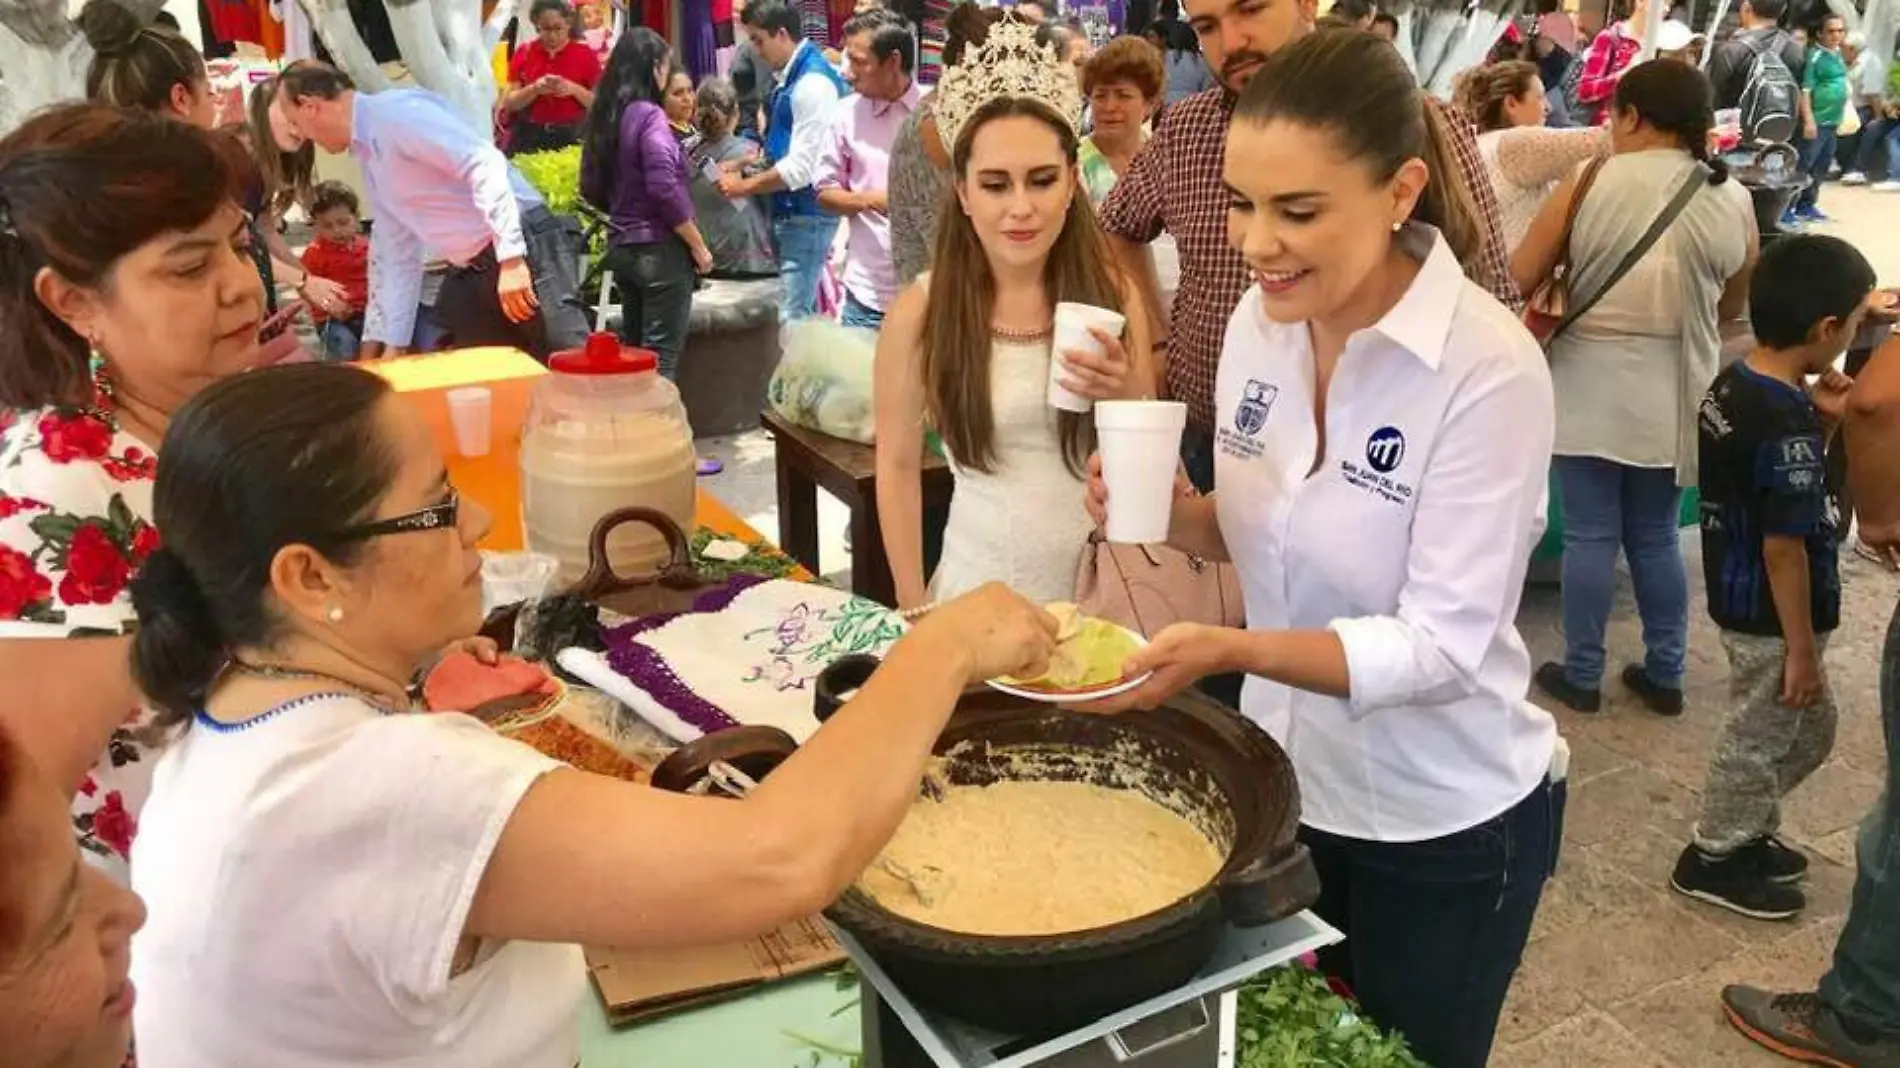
(336, 880)
(1383, 438)
(1523, 158)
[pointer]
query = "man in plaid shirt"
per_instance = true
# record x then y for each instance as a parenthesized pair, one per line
(1175, 185)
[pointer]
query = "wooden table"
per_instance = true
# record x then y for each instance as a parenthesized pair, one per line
(807, 461)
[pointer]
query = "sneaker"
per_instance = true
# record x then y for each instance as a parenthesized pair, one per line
(707, 466)
(1737, 883)
(1854, 178)
(1552, 680)
(1791, 221)
(1800, 1027)
(1888, 186)
(1857, 1045)
(1815, 215)
(1662, 700)
(1779, 861)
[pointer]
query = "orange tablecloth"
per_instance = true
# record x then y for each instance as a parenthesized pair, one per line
(495, 479)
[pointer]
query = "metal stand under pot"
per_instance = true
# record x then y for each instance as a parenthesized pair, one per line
(1190, 1026)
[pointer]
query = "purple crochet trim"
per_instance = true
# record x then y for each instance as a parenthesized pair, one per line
(643, 665)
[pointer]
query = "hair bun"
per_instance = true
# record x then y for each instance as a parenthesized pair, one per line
(109, 27)
(166, 589)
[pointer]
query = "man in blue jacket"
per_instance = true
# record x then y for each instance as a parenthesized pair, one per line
(798, 112)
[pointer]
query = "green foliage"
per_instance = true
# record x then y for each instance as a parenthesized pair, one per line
(1290, 1018)
(556, 176)
(763, 559)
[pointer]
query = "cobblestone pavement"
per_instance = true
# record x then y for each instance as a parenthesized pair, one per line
(1621, 972)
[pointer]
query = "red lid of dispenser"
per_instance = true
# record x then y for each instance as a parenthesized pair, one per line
(603, 354)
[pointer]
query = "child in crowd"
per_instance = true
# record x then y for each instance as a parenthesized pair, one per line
(1768, 552)
(341, 254)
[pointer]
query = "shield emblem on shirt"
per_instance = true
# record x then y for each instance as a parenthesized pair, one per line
(1256, 400)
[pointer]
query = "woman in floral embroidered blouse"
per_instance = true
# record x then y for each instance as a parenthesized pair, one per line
(126, 286)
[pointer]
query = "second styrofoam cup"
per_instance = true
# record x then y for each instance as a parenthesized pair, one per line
(471, 416)
(1073, 325)
(1141, 451)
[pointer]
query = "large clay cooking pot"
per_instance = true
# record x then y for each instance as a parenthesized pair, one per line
(1199, 759)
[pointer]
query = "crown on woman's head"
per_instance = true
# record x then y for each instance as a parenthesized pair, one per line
(1009, 63)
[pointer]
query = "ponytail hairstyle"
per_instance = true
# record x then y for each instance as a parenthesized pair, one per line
(1356, 87)
(287, 455)
(1673, 98)
(81, 186)
(135, 65)
(1483, 92)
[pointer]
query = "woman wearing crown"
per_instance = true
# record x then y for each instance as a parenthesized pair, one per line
(966, 350)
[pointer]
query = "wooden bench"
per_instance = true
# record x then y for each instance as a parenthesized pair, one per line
(808, 461)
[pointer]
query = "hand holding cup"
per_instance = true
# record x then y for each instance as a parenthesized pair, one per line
(1097, 375)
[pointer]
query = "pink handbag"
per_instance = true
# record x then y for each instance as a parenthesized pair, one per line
(1147, 588)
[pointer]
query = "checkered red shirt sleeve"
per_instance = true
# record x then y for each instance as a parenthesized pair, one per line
(1493, 269)
(1179, 189)
(1175, 185)
(1133, 208)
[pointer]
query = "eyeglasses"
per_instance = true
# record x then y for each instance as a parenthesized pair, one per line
(435, 517)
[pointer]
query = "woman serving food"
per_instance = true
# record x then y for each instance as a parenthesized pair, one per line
(1384, 437)
(315, 556)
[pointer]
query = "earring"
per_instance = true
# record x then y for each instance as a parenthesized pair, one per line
(1397, 226)
(103, 397)
(335, 614)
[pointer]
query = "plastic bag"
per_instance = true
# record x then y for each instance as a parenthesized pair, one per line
(823, 381)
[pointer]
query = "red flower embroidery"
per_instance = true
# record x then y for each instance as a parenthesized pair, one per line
(66, 437)
(89, 786)
(7, 419)
(136, 465)
(21, 586)
(12, 506)
(144, 541)
(113, 826)
(96, 571)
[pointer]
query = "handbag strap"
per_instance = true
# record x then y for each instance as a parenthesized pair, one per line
(1698, 177)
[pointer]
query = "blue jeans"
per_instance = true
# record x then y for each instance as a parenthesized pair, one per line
(1607, 506)
(1816, 155)
(1864, 984)
(859, 314)
(1879, 151)
(1435, 929)
(341, 340)
(804, 246)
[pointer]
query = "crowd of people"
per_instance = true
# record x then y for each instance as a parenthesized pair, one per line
(220, 569)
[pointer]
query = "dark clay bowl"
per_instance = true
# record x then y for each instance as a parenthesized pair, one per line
(1194, 756)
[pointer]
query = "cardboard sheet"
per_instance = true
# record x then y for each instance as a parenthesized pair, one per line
(637, 985)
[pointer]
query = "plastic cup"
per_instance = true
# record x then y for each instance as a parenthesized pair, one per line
(1141, 451)
(1073, 323)
(471, 410)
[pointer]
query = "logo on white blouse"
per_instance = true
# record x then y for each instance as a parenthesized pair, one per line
(1256, 400)
(1385, 449)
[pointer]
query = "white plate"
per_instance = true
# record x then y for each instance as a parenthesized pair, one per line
(1051, 696)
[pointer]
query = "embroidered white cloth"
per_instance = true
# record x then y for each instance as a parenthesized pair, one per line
(747, 654)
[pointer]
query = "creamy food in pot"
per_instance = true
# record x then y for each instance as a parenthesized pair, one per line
(1039, 857)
